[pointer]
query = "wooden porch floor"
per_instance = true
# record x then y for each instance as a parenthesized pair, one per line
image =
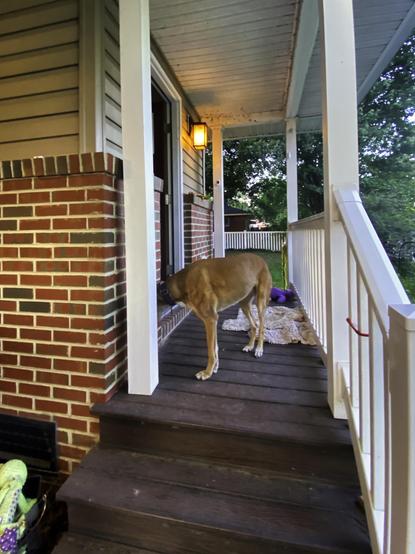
(248, 461)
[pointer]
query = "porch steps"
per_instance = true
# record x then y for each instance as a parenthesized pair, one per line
(248, 462)
(175, 505)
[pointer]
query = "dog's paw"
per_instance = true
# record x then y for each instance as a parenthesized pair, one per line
(258, 352)
(248, 348)
(203, 375)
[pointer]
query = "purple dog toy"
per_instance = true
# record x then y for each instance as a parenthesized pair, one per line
(281, 295)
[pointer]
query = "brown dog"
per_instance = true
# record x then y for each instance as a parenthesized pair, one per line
(210, 286)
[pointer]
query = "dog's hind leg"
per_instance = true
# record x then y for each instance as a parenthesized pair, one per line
(246, 308)
(263, 291)
(212, 344)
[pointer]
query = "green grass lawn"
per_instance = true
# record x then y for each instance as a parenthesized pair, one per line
(273, 260)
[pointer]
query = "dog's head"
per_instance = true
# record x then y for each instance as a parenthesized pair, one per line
(164, 294)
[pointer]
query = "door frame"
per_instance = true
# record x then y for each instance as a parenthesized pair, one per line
(162, 80)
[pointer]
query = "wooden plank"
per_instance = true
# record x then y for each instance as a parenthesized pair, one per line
(245, 377)
(113, 149)
(160, 10)
(243, 451)
(43, 37)
(44, 14)
(44, 147)
(300, 424)
(39, 127)
(113, 132)
(48, 81)
(209, 511)
(71, 543)
(6, 7)
(42, 104)
(253, 483)
(30, 62)
(113, 111)
(245, 391)
(113, 90)
(223, 16)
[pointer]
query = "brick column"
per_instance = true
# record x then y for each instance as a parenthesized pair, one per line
(63, 293)
(198, 228)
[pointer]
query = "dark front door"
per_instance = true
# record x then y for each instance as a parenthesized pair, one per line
(162, 159)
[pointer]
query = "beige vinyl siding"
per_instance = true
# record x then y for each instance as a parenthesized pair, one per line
(39, 78)
(112, 89)
(192, 163)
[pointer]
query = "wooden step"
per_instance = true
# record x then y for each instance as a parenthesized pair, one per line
(289, 439)
(71, 543)
(175, 506)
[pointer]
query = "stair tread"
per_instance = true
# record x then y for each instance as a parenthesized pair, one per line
(225, 501)
(72, 543)
(241, 481)
(304, 424)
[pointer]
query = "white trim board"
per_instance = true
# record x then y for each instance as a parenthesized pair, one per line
(162, 80)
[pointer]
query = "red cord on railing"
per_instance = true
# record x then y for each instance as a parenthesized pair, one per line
(355, 329)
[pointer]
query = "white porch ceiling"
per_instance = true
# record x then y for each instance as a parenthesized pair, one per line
(234, 58)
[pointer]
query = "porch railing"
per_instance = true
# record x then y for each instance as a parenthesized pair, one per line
(309, 272)
(255, 240)
(378, 374)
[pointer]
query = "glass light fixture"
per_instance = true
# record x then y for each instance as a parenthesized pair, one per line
(200, 135)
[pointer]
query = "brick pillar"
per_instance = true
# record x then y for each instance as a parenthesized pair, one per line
(62, 282)
(198, 228)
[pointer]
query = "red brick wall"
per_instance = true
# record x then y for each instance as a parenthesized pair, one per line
(198, 228)
(62, 284)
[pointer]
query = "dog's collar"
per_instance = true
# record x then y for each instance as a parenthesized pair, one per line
(165, 294)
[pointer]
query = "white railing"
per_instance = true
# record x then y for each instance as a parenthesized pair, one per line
(377, 376)
(373, 287)
(255, 240)
(308, 265)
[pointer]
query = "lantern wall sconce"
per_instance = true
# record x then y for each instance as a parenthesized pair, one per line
(199, 135)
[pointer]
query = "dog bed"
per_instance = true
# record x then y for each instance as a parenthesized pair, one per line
(282, 325)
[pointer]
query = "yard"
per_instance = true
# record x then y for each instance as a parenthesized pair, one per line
(273, 260)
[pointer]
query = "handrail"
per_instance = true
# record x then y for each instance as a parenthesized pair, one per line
(312, 222)
(377, 271)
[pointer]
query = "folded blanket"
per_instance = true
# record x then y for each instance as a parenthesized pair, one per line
(282, 325)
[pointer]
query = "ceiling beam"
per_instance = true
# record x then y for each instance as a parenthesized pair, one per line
(402, 33)
(240, 118)
(304, 46)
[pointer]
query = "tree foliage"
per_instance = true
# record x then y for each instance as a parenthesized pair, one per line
(254, 170)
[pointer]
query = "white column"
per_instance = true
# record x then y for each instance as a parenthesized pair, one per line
(292, 188)
(137, 137)
(402, 394)
(218, 199)
(340, 172)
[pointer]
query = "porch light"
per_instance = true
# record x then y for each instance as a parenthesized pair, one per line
(200, 136)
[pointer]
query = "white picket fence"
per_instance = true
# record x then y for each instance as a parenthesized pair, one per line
(255, 240)
(375, 373)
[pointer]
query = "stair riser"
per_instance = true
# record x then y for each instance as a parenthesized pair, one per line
(167, 537)
(229, 448)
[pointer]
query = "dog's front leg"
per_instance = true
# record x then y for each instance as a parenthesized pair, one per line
(212, 345)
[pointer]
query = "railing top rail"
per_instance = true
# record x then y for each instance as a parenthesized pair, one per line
(381, 279)
(313, 222)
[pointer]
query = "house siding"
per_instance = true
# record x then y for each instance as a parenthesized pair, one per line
(39, 96)
(112, 79)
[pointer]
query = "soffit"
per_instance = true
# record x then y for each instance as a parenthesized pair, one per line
(234, 58)
(231, 57)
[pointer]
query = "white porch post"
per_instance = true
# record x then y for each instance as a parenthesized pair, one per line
(292, 188)
(218, 199)
(139, 198)
(340, 172)
(402, 389)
